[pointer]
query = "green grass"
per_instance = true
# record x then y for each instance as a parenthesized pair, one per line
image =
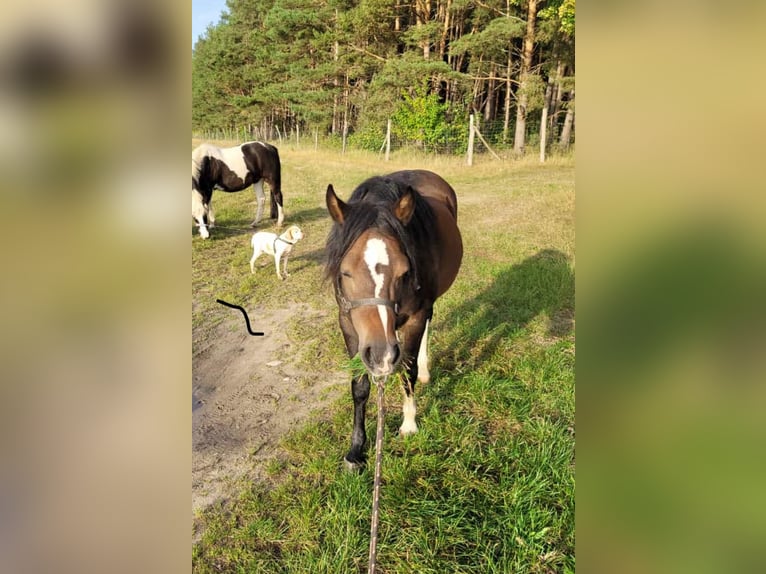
(487, 485)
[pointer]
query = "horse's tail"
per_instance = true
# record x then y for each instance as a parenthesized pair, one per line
(276, 184)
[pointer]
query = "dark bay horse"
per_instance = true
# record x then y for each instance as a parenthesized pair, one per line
(394, 248)
(234, 169)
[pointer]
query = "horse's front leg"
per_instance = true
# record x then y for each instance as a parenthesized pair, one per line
(415, 333)
(360, 391)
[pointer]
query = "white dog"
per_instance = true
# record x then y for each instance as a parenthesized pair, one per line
(278, 246)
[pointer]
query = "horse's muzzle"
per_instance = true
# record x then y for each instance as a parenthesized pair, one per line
(380, 359)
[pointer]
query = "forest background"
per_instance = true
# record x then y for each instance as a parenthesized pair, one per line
(341, 69)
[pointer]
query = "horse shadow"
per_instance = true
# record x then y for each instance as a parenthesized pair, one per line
(240, 225)
(307, 215)
(472, 332)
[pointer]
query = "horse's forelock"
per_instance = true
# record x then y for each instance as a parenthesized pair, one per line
(370, 207)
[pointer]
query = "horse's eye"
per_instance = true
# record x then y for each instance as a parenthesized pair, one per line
(346, 274)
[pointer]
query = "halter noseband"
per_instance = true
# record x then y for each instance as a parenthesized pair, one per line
(346, 305)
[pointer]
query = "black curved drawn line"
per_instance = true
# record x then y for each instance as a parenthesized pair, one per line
(247, 319)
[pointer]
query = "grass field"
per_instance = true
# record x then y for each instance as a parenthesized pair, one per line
(487, 485)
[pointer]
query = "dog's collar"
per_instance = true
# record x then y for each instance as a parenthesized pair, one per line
(274, 246)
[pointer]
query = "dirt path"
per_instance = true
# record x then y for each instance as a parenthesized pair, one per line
(247, 393)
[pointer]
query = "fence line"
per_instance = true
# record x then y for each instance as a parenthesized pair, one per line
(471, 139)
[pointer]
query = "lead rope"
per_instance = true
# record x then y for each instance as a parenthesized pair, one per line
(376, 484)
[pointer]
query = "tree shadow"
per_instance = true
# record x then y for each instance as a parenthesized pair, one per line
(543, 283)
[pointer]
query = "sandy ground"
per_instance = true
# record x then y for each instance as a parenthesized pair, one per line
(246, 396)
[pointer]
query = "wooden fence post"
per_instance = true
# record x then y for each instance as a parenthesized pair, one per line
(345, 130)
(470, 140)
(543, 131)
(388, 139)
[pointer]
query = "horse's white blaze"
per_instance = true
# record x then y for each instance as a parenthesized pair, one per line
(409, 426)
(376, 254)
(423, 375)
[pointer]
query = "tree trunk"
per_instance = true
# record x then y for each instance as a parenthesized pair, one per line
(555, 98)
(566, 131)
(335, 83)
(519, 139)
(508, 92)
(445, 30)
(476, 86)
(490, 104)
(422, 16)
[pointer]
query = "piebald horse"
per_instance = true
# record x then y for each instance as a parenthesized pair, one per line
(394, 248)
(234, 169)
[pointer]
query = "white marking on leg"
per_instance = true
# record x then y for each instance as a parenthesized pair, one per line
(409, 426)
(198, 213)
(280, 215)
(260, 197)
(423, 375)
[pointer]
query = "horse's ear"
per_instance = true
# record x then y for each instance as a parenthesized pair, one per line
(405, 207)
(335, 206)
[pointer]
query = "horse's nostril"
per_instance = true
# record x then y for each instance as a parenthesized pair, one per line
(367, 355)
(396, 354)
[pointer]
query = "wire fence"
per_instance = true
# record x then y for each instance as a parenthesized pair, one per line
(492, 139)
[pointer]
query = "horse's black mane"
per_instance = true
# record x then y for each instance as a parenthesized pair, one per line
(371, 206)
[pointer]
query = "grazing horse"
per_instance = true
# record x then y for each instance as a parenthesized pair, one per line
(393, 249)
(234, 169)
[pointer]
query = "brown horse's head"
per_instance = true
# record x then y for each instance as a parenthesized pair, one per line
(368, 276)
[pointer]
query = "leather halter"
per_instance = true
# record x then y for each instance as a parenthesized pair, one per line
(346, 305)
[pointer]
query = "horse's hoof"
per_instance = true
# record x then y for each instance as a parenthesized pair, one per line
(408, 430)
(354, 467)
